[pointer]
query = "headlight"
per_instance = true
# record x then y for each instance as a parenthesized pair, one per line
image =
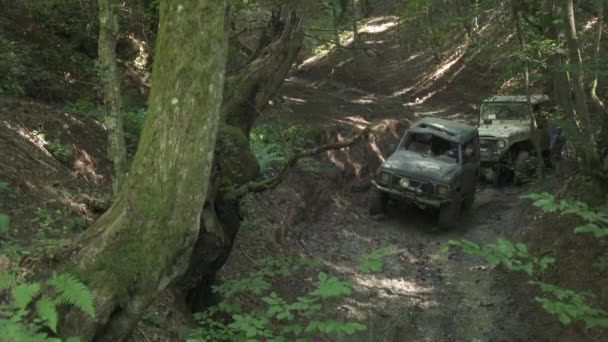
(442, 190)
(385, 177)
(501, 144)
(404, 182)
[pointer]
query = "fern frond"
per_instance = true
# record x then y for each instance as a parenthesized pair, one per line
(8, 280)
(72, 292)
(46, 310)
(24, 293)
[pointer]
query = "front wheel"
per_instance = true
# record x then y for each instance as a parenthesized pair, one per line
(521, 167)
(449, 214)
(377, 201)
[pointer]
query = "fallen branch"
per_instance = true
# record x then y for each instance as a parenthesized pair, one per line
(270, 183)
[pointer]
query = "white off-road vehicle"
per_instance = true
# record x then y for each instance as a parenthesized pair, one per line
(509, 138)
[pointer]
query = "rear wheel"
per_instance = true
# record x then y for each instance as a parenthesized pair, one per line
(377, 201)
(521, 167)
(449, 214)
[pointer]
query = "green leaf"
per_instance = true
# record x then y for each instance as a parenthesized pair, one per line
(596, 323)
(522, 248)
(373, 261)
(4, 223)
(73, 292)
(24, 293)
(8, 280)
(444, 249)
(564, 318)
(592, 228)
(46, 310)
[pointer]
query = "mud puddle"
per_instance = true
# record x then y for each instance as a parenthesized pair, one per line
(421, 294)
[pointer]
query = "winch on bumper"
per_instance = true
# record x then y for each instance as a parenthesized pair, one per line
(422, 193)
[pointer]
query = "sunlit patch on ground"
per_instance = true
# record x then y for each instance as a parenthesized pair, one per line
(396, 288)
(380, 24)
(85, 166)
(33, 137)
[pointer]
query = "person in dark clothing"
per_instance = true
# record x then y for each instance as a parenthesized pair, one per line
(556, 142)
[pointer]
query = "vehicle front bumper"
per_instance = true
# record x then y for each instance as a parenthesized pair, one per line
(490, 156)
(413, 197)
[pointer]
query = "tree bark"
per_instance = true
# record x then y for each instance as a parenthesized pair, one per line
(246, 94)
(522, 41)
(560, 79)
(145, 240)
(582, 109)
(110, 79)
(595, 100)
(334, 15)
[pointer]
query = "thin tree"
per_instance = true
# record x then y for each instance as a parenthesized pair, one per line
(533, 122)
(582, 109)
(595, 100)
(145, 241)
(110, 79)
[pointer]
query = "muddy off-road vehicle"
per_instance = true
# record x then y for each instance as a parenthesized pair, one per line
(508, 143)
(435, 165)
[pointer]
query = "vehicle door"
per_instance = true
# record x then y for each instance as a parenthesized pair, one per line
(470, 164)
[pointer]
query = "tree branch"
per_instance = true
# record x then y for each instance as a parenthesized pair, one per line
(270, 183)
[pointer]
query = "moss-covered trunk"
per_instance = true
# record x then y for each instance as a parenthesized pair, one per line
(144, 242)
(110, 79)
(246, 94)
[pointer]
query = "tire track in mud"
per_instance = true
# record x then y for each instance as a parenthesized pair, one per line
(420, 295)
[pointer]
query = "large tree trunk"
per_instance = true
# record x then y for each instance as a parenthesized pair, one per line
(144, 242)
(582, 109)
(246, 94)
(108, 72)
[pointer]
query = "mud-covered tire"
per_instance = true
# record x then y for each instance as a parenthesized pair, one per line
(498, 176)
(377, 202)
(449, 215)
(521, 167)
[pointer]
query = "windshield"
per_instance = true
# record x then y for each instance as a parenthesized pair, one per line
(431, 145)
(504, 111)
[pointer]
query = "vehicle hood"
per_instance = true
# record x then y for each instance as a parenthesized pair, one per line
(513, 130)
(423, 167)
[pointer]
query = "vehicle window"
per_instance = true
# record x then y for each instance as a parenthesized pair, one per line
(432, 145)
(505, 111)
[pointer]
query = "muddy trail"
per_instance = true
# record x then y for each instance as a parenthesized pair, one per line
(421, 294)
